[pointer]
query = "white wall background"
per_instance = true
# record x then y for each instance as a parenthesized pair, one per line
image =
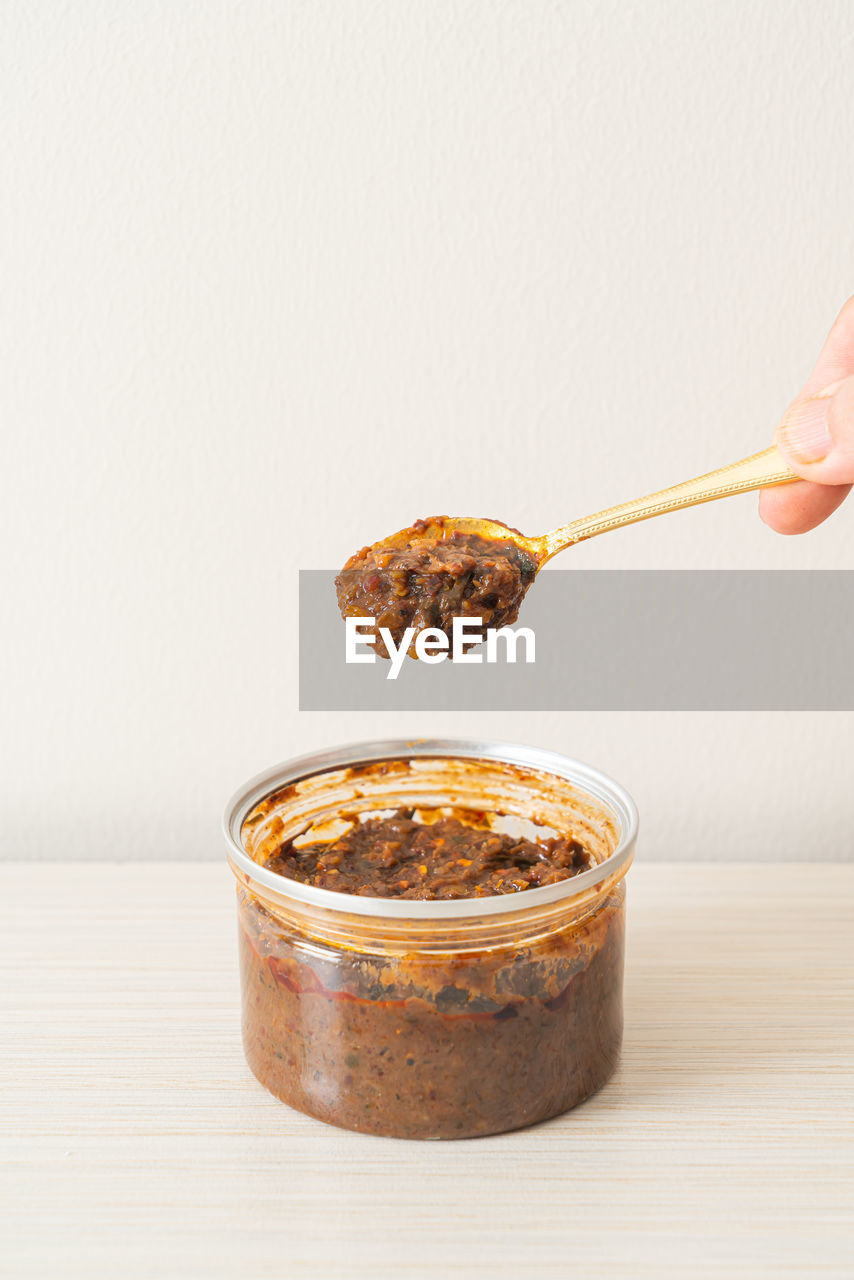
(269, 267)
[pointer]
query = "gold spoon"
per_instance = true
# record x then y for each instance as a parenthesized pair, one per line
(759, 471)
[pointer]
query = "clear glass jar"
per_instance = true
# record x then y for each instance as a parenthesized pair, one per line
(432, 1019)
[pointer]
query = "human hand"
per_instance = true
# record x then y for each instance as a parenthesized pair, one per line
(816, 437)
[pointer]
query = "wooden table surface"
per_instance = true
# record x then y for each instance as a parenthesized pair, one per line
(135, 1142)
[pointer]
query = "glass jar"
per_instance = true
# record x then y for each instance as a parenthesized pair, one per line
(432, 1019)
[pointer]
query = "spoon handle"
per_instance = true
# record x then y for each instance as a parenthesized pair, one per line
(756, 472)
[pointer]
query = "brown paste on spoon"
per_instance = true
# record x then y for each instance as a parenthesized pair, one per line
(435, 574)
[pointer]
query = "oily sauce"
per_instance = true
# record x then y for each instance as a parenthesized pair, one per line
(436, 574)
(400, 857)
(452, 1042)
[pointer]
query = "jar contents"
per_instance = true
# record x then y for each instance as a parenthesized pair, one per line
(473, 1006)
(442, 1045)
(399, 857)
(437, 574)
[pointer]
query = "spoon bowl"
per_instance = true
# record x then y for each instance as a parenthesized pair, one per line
(437, 529)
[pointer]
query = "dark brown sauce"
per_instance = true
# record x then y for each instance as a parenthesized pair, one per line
(457, 1041)
(399, 857)
(458, 1046)
(439, 573)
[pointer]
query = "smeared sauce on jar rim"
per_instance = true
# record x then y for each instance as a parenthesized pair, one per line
(379, 830)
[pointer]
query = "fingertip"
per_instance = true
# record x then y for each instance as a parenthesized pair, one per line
(777, 516)
(795, 508)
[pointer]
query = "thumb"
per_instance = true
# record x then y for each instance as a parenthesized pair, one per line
(816, 435)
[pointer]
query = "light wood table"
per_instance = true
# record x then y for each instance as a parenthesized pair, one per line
(135, 1142)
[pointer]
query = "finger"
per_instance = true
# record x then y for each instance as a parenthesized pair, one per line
(816, 435)
(837, 355)
(797, 508)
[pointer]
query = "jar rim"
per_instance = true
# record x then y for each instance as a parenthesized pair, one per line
(593, 782)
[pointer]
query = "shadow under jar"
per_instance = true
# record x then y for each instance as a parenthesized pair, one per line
(432, 1018)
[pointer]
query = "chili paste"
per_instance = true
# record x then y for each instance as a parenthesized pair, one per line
(403, 858)
(420, 1041)
(448, 1045)
(437, 574)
